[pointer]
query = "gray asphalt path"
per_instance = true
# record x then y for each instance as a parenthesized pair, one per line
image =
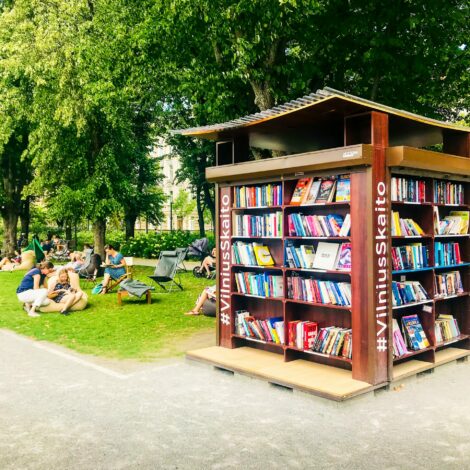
(60, 410)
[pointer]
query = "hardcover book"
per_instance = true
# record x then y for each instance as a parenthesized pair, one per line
(414, 332)
(327, 190)
(344, 257)
(263, 256)
(326, 256)
(343, 189)
(301, 190)
(313, 192)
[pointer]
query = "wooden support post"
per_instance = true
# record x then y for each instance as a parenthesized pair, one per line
(456, 143)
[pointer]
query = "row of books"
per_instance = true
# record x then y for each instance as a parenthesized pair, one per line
(415, 337)
(320, 190)
(335, 341)
(251, 254)
(446, 328)
(319, 291)
(413, 256)
(270, 329)
(405, 189)
(266, 225)
(407, 292)
(258, 196)
(332, 225)
(302, 334)
(260, 284)
(447, 192)
(446, 254)
(456, 223)
(329, 256)
(448, 284)
(405, 227)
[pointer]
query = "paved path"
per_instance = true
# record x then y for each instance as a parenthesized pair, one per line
(60, 410)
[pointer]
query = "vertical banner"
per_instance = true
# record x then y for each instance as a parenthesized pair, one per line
(381, 242)
(224, 284)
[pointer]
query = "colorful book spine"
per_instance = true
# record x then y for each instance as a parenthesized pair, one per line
(413, 256)
(447, 192)
(269, 330)
(266, 225)
(259, 284)
(408, 292)
(408, 189)
(447, 254)
(334, 341)
(449, 283)
(319, 291)
(446, 328)
(316, 225)
(265, 195)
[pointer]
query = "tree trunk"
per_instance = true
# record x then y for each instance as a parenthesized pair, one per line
(130, 225)
(99, 236)
(209, 202)
(68, 231)
(10, 221)
(25, 217)
(200, 213)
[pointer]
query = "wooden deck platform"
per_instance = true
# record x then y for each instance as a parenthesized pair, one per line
(318, 379)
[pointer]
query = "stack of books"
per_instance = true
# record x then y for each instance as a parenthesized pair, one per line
(446, 254)
(335, 341)
(446, 328)
(258, 196)
(260, 284)
(251, 254)
(328, 256)
(332, 225)
(456, 223)
(405, 227)
(317, 291)
(408, 189)
(446, 192)
(413, 256)
(407, 292)
(415, 337)
(300, 257)
(321, 190)
(266, 225)
(269, 330)
(302, 334)
(448, 284)
(399, 346)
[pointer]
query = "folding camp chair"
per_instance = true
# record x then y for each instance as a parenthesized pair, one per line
(113, 283)
(91, 269)
(167, 271)
(182, 252)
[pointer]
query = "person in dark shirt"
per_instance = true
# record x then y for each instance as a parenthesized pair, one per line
(31, 291)
(47, 246)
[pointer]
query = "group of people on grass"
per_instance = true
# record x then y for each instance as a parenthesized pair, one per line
(44, 283)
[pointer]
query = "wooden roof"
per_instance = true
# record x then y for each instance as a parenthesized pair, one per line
(324, 105)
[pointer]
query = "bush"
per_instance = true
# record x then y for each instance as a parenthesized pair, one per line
(150, 245)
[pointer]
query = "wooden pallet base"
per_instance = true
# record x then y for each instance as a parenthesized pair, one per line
(318, 379)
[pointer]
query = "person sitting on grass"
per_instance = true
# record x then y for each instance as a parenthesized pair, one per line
(10, 262)
(62, 292)
(115, 266)
(76, 261)
(208, 264)
(31, 291)
(206, 299)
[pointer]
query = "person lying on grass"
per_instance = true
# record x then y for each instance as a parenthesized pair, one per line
(62, 292)
(31, 290)
(10, 262)
(115, 266)
(208, 294)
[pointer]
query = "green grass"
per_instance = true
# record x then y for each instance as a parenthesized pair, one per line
(135, 330)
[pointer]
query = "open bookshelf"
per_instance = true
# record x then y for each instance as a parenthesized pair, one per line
(399, 192)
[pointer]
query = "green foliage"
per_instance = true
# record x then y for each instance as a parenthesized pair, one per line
(151, 244)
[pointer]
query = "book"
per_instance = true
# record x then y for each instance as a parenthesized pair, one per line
(343, 189)
(416, 337)
(399, 345)
(344, 257)
(464, 216)
(404, 189)
(263, 256)
(308, 255)
(326, 191)
(313, 192)
(300, 191)
(326, 256)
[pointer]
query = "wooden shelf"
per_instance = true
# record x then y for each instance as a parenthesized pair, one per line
(255, 266)
(256, 238)
(452, 340)
(258, 296)
(402, 237)
(317, 238)
(452, 236)
(453, 266)
(320, 271)
(312, 304)
(440, 204)
(452, 296)
(413, 304)
(408, 271)
(408, 203)
(255, 340)
(257, 208)
(315, 353)
(318, 204)
(412, 353)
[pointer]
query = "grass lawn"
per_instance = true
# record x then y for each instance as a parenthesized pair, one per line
(134, 331)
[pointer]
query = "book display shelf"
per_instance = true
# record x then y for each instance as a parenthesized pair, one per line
(343, 259)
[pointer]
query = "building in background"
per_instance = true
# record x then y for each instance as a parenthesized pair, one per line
(170, 164)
